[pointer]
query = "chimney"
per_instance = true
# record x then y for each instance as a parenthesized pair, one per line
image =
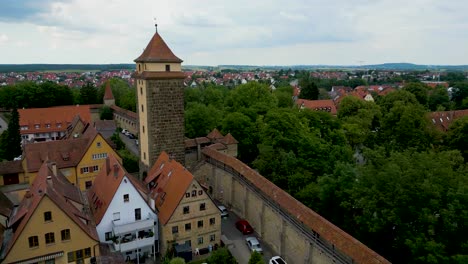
(116, 170)
(49, 180)
(107, 168)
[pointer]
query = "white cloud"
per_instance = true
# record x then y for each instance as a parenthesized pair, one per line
(244, 32)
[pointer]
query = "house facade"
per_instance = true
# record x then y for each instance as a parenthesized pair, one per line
(186, 213)
(121, 212)
(50, 224)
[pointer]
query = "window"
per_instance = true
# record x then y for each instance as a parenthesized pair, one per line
(99, 156)
(188, 242)
(142, 108)
(116, 216)
(202, 207)
(98, 144)
(168, 67)
(47, 125)
(36, 126)
(186, 209)
(175, 229)
(139, 67)
(126, 198)
(144, 155)
(194, 193)
(200, 192)
(108, 236)
(94, 168)
(200, 240)
(143, 128)
(188, 226)
(138, 214)
(50, 238)
(84, 170)
(48, 216)
(212, 238)
(141, 90)
(200, 224)
(71, 256)
(212, 221)
(33, 241)
(87, 252)
(88, 184)
(187, 195)
(59, 125)
(65, 234)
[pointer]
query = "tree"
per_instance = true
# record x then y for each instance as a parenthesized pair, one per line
(420, 91)
(88, 94)
(457, 136)
(460, 92)
(119, 144)
(177, 260)
(438, 98)
(256, 258)
(105, 113)
(13, 137)
(200, 119)
(221, 255)
(243, 129)
(129, 161)
(309, 89)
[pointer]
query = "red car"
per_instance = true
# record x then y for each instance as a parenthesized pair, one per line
(244, 227)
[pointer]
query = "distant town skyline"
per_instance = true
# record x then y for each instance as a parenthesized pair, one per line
(294, 32)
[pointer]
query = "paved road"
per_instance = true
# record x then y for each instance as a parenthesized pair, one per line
(236, 241)
(131, 145)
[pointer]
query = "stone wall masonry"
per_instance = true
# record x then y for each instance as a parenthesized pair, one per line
(293, 230)
(165, 106)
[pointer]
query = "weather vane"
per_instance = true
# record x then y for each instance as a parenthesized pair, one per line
(155, 24)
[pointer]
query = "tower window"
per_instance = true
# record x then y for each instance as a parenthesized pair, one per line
(139, 67)
(168, 67)
(141, 90)
(142, 108)
(143, 128)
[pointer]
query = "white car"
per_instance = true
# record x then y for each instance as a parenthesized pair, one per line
(224, 211)
(124, 131)
(253, 244)
(276, 260)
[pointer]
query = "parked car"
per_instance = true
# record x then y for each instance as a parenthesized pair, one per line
(253, 244)
(224, 211)
(136, 141)
(131, 136)
(244, 227)
(276, 260)
(124, 131)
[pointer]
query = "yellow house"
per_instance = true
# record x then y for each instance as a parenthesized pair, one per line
(11, 172)
(50, 225)
(78, 159)
(186, 213)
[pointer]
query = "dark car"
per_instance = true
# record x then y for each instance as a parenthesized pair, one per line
(130, 135)
(244, 227)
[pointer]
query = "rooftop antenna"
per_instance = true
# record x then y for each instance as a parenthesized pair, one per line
(155, 24)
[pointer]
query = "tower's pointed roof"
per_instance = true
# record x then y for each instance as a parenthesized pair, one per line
(157, 51)
(108, 92)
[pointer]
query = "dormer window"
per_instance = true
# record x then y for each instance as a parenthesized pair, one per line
(36, 126)
(47, 125)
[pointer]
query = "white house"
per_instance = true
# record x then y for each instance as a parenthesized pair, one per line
(121, 212)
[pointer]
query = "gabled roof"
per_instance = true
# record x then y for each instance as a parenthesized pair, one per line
(106, 184)
(57, 118)
(108, 92)
(318, 105)
(168, 181)
(215, 134)
(229, 140)
(11, 167)
(58, 190)
(157, 51)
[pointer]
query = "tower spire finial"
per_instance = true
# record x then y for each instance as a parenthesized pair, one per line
(155, 24)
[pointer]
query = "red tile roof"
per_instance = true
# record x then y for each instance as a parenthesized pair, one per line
(318, 105)
(168, 181)
(108, 92)
(215, 134)
(442, 120)
(229, 140)
(106, 184)
(57, 189)
(57, 118)
(347, 244)
(157, 51)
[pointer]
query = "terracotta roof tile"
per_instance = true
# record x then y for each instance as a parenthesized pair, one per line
(58, 118)
(11, 167)
(108, 92)
(215, 134)
(318, 105)
(443, 119)
(229, 140)
(168, 181)
(359, 252)
(42, 187)
(157, 51)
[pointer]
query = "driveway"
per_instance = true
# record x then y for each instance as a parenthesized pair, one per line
(130, 144)
(235, 241)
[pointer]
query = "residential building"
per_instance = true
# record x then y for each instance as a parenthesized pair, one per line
(50, 224)
(79, 159)
(121, 212)
(160, 103)
(11, 172)
(186, 213)
(318, 105)
(44, 124)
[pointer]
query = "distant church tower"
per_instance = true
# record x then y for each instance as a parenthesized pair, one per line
(160, 98)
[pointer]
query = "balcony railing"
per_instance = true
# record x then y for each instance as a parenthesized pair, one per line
(128, 243)
(132, 227)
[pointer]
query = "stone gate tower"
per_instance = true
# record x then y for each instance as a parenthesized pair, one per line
(160, 98)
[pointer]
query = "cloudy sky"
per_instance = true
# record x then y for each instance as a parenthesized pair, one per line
(248, 32)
